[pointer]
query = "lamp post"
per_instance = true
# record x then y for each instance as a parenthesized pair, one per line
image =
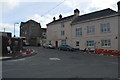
(14, 28)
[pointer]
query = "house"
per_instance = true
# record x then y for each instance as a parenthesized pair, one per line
(100, 29)
(32, 31)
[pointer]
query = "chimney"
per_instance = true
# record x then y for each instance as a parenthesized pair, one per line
(76, 12)
(118, 7)
(60, 16)
(53, 18)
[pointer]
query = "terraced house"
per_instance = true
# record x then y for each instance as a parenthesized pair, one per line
(100, 29)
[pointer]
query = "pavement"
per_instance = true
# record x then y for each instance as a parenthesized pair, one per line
(17, 56)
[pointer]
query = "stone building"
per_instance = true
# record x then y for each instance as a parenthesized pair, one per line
(99, 29)
(33, 32)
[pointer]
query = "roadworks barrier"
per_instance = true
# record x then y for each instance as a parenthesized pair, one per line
(107, 52)
(27, 51)
(20, 52)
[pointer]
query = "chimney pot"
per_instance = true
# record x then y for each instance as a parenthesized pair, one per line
(118, 6)
(76, 12)
(54, 18)
(60, 16)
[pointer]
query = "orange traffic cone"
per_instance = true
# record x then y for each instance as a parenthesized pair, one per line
(20, 52)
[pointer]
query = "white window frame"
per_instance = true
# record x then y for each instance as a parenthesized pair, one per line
(62, 25)
(90, 29)
(63, 42)
(90, 43)
(106, 43)
(62, 33)
(78, 32)
(105, 28)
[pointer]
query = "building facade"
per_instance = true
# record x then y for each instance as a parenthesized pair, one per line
(100, 29)
(32, 31)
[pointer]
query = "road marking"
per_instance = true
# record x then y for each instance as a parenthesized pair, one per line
(56, 59)
(18, 59)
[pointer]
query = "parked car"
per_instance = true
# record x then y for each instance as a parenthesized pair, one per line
(48, 46)
(67, 48)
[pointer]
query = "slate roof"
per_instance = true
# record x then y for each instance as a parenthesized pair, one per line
(65, 18)
(97, 14)
(93, 15)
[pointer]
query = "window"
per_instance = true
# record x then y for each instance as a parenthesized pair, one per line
(62, 33)
(63, 42)
(77, 43)
(78, 31)
(49, 42)
(62, 25)
(105, 27)
(90, 43)
(105, 43)
(90, 29)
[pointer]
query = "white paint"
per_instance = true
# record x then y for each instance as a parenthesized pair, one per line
(54, 59)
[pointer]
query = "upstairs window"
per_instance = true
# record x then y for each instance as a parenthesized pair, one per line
(105, 27)
(90, 29)
(62, 33)
(78, 32)
(62, 25)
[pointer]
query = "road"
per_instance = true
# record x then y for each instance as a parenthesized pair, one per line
(52, 63)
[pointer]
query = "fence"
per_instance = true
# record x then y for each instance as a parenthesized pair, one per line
(107, 52)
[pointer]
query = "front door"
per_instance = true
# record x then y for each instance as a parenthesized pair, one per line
(56, 43)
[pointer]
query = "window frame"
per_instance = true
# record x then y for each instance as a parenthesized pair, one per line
(106, 43)
(105, 27)
(78, 32)
(90, 43)
(77, 43)
(90, 29)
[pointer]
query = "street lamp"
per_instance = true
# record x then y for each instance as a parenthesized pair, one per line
(14, 28)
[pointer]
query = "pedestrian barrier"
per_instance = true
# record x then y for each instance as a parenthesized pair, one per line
(107, 52)
(20, 52)
(27, 51)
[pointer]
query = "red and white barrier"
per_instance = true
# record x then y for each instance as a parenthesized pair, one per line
(27, 51)
(20, 52)
(108, 52)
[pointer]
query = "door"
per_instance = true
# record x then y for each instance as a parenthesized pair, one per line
(56, 43)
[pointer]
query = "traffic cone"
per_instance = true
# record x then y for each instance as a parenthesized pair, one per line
(20, 52)
(27, 51)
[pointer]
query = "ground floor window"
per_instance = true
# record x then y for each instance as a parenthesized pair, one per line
(77, 43)
(90, 43)
(49, 42)
(106, 43)
(63, 42)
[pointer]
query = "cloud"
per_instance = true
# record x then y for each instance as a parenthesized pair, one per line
(9, 28)
(86, 6)
(8, 5)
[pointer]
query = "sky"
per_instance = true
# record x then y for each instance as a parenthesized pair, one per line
(43, 11)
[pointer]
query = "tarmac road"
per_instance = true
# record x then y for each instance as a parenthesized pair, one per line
(52, 63)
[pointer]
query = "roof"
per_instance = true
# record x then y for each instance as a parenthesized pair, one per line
(93, 15)
(65, 18)
(30, 21)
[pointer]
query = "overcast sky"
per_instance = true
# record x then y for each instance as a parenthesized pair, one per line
(43, 11)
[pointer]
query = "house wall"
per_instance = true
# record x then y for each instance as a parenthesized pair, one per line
(54, 33)
(98, 35)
